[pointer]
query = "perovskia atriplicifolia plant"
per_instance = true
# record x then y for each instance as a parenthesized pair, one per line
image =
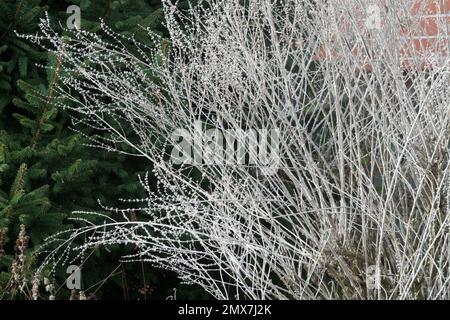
(353, 203)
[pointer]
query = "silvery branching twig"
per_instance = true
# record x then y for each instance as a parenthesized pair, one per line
(299, 148)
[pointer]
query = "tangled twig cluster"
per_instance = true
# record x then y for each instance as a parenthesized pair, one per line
(357, 207)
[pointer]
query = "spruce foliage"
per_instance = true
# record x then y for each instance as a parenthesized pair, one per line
(46, 169)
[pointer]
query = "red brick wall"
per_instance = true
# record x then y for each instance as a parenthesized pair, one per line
(433, 30)
(425, 29)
